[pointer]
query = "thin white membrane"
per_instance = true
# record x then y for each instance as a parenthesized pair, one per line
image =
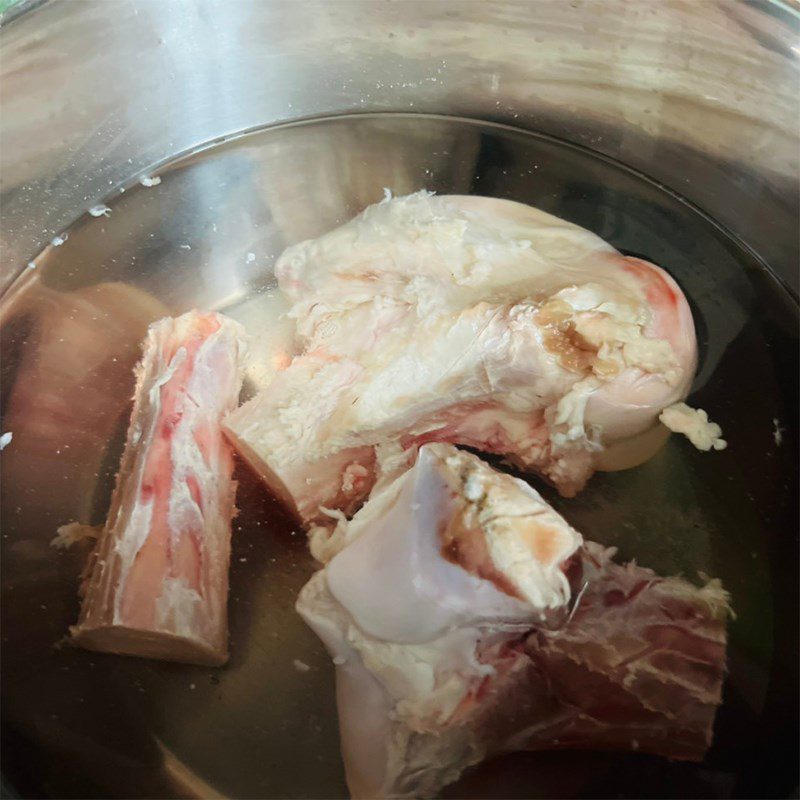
(402, 619)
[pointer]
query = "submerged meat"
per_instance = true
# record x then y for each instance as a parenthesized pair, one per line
(472, 321)
(467, 618)
(158, 585)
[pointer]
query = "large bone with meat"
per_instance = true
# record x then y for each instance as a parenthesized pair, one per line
(467, 618)
(158, 585)
(472, 321)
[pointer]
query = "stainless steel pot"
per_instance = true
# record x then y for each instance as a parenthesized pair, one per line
(701, 98)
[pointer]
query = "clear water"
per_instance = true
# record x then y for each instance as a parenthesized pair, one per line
(88, 725)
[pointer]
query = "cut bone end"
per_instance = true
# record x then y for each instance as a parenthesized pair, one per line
(122, 640)
(267, 475)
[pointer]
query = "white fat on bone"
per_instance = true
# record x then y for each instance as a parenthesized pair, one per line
(158, 579)
(456, 634)
(468, 320)
(402, 621)
(489, 522)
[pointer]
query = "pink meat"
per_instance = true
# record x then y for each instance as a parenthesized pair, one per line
(467, 618)
(158, 585)
(639, 666)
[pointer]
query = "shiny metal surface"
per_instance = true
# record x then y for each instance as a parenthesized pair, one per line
(84, 724)
(698, 96)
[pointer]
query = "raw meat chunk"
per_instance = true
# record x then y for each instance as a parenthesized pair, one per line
(158, 585)
(472, 321)
(467, 618)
